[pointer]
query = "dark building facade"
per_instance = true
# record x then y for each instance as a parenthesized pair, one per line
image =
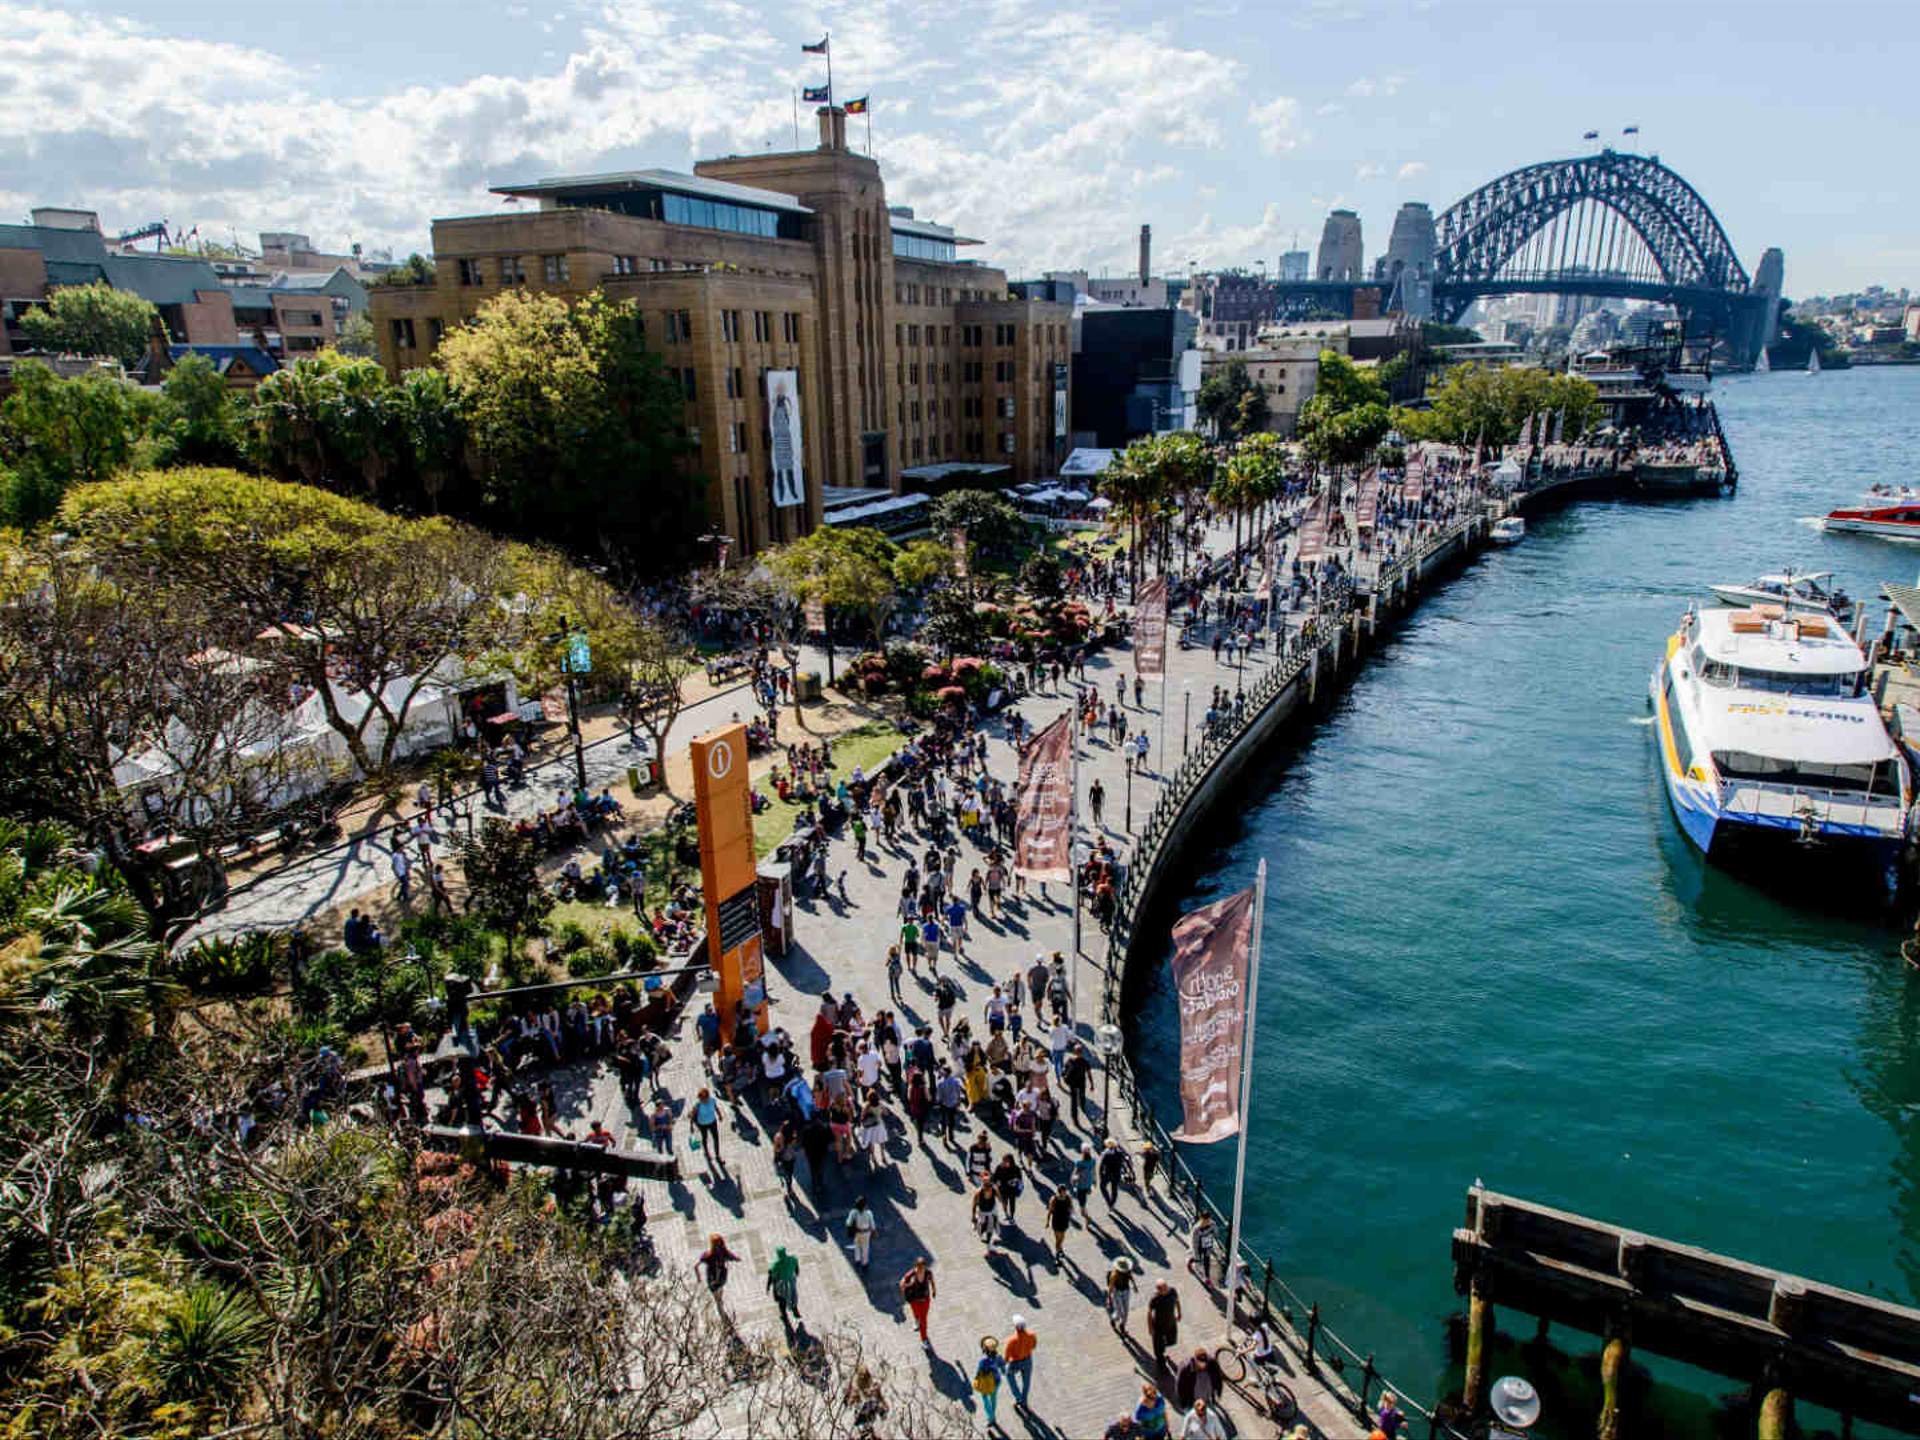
(1130, 377)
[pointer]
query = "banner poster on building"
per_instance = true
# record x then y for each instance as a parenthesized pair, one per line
(1043, 828)
(1150, 630)
(1211, 950)
(1059, 400)
(553, 706)
(789, 448)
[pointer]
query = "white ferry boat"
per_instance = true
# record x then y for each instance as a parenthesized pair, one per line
(1508, 530)
(1765, 732)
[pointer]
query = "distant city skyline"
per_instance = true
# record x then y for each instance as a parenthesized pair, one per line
(1232, 128)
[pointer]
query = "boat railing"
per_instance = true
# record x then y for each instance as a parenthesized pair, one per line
(1774, 799)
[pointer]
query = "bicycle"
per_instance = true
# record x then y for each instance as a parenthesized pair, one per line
(1236, 1360)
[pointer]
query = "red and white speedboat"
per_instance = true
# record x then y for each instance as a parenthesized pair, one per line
(1901, 519)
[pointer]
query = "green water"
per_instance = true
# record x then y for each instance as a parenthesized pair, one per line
(1489, 951)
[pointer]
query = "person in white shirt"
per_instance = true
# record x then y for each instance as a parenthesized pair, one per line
(868, 1066)
(1058, 1040)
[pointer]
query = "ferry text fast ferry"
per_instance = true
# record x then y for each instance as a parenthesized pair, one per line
(1765, 734)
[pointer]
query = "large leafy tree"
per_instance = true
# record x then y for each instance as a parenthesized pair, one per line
(1347, 416)
(577, 427)
(330, 419)
(1232, 403)
(1149, 476)
(996, 532)
(59, 433)
(92, 320)
(360, 608)
(198, 422)
(848, 568)
(1476, 404)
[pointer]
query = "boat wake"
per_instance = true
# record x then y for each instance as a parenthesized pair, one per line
(1641, 719)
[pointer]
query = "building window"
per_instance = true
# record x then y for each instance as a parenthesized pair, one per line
(737, 436)
(913, 334)
(555, 268)
(1006, 407)
(1007, 442)
(790, 327)
(687, 382)
(436, 330)
(730, 326)
(657, 264)
(914, 410)
(1003, 335)
(402, 333)
(946, 334)
(1003, 371)
(763, 325)
(511, 270)
(916, 448)
(899, 337)
(679, 326)
(970, 371)
(733, 383)
(472, 273)
(913, 373)
(946, 371)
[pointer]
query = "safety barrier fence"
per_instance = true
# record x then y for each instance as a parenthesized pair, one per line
(1264, 1291)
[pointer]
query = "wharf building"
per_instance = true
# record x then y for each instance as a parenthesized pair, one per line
(908, 367)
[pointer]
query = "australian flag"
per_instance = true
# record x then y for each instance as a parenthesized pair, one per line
(819, 49)
(817, 94)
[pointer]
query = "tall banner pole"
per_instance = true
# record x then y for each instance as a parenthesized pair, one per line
(1160, 750)
(1073, 863)
(1246, 1082)
(796, 117)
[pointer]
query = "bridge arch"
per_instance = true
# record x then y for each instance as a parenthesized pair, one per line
(1610, 217)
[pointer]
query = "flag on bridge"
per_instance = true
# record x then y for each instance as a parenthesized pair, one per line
(1212, 961)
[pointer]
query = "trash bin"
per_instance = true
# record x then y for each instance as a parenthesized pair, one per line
(807, 685)
(776, 905)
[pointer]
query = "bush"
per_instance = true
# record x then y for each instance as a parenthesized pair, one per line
(243, 965)
(353, 992)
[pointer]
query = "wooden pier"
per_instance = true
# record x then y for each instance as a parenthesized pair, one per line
(1786, 1337)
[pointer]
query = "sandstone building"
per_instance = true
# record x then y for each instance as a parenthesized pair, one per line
(913, 366)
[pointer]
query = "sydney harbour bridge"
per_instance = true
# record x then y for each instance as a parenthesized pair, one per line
(1612, 224)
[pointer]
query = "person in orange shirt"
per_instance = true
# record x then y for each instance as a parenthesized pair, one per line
(1017, 1351)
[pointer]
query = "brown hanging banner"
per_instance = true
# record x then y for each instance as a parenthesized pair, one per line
(1150, 630)
(1043, 828)
(1212, 948)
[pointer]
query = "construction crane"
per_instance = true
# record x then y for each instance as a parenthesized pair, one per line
(152, 229)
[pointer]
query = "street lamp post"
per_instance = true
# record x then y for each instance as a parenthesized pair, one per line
(566, 637)
(1186, 716)
(1129, 763)
(1110, 1041)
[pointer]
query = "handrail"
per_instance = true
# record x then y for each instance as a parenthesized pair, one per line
(1292, 654)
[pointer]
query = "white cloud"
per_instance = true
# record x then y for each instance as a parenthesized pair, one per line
(1367, 170)
(1366, 87)
(1277, 123)
(1331, 107)
(1413, 169)
(1009, 141)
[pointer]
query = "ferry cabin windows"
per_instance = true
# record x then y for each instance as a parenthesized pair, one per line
(1793, 682)
(1682, 746)
(1881, 779)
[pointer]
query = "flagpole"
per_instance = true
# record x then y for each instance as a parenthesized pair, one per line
(869, 129)
(796, 117)
(1246, 1083)
(828, 42)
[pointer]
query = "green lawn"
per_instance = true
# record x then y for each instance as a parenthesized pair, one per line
(865, 747)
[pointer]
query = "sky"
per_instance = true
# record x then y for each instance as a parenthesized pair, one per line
(1053, 133)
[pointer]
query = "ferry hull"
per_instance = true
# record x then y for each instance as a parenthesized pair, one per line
(1907, 528)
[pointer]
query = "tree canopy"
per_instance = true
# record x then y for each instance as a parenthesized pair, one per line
(996, 532)
(1232, 403)
(56, 433)
(1347, 415)
(92, 319)
(577, 427)
(1476, 404)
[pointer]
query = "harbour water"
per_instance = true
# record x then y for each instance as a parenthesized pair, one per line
(1490, 952)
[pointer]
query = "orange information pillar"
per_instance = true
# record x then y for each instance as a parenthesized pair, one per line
(728, 873)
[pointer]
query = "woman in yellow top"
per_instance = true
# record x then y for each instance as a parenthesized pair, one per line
(976, 1081)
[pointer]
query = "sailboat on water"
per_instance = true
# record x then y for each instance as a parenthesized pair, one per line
(1813, 362)
(1762, 366)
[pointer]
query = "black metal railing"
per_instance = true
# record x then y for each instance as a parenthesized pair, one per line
(1320, 1350)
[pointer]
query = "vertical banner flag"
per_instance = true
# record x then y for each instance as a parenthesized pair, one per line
(1150, 630)
(961, 566)
(1212, 947)
(816, 612)
(1559, 424)
(1060, 400)
(789, 449)
(1313, 533)
(1043, 795)
(1366, 509)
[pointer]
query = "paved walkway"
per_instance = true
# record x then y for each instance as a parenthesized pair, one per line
(1085, 1373)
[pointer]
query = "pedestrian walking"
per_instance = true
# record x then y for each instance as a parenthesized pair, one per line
(783, 1283)
(1060, 1218)
(860, 1228)
(1150, 1415)
(1112, 1170)
(1121, 1281)
(1096, 799)
(1203, 1423)
(1083, 1171)
(893, 973)
(1076, 1073)
(918, 1289)
(403, 874)
(706, 1124)
(987, 1374)
(1163, 1320)
(715, 1262)
(1017, 1351)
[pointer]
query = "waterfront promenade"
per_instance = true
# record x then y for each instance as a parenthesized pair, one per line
(1086, 1375)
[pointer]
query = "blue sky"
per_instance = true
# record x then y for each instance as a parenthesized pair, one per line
(1229, 125)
